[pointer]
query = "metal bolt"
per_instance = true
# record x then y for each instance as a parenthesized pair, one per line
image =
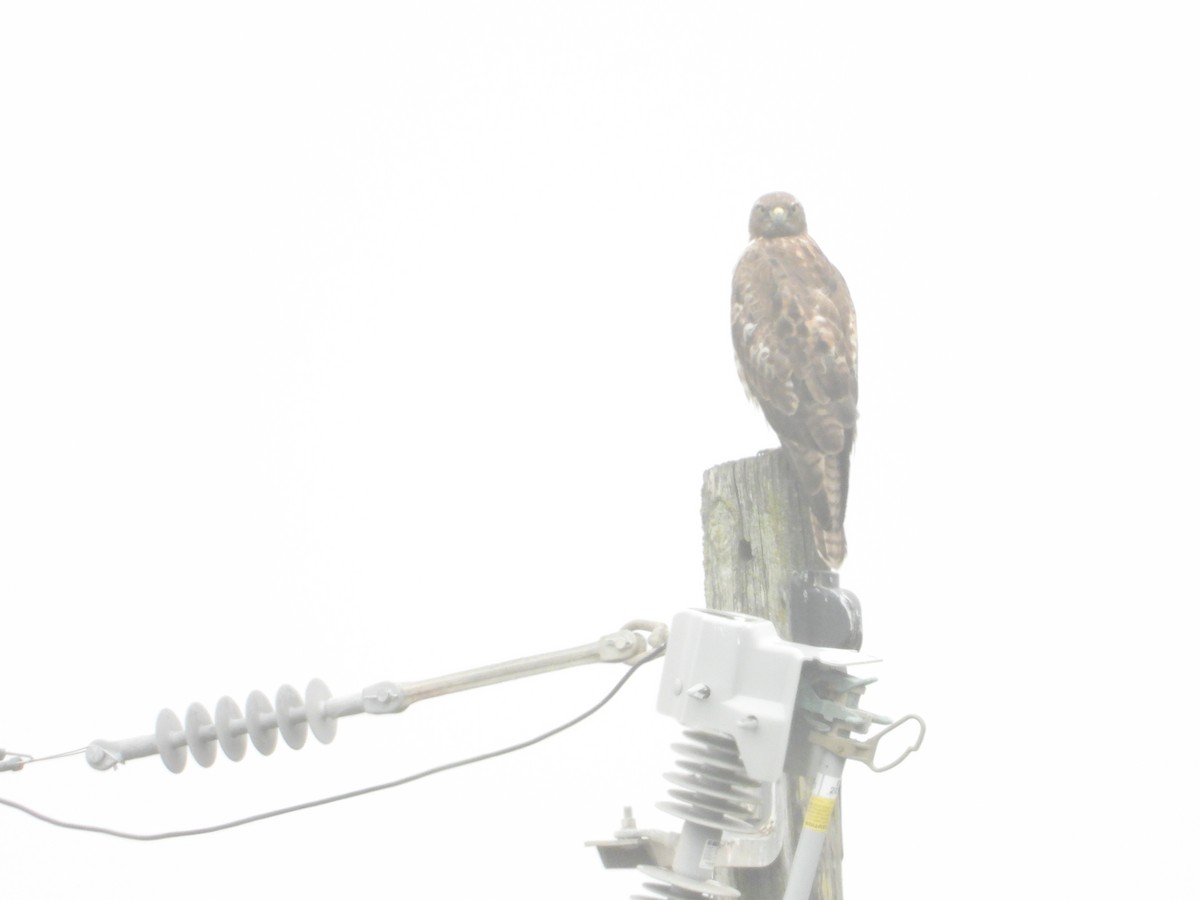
(699, 691)
(750, 723)
(677, 687)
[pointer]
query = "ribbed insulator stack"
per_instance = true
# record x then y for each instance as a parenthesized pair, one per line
(712, 794)
(292, 716)
(713, 788)
(680, 887)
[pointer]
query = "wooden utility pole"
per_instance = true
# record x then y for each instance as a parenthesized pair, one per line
(758, 542)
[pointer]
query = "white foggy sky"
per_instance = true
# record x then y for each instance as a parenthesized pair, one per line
(374, 342)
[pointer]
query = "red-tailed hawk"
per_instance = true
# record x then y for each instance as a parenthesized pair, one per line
(797, 353)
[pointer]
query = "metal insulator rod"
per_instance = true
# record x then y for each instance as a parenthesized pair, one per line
(293, 715)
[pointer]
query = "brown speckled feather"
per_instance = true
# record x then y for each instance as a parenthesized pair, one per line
(797, 352)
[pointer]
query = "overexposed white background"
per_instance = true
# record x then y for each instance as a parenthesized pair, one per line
(376, 341)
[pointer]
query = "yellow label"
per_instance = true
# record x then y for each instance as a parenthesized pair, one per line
(819, 812)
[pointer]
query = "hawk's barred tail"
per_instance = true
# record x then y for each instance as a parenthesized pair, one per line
(822, 479)
(829, 517)
(830, 543)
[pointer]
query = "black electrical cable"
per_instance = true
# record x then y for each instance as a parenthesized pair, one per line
(491, 754)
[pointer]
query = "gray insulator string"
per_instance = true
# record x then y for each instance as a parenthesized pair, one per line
(491, 754)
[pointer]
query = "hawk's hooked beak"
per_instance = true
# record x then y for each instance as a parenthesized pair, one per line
(779, 215)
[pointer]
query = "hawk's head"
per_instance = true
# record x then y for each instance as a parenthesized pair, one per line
(777, 215)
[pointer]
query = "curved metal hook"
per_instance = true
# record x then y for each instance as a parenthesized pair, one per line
(656, 636)
(873, 743)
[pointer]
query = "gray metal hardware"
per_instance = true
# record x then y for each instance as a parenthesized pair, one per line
(751, 704)
(293, 715)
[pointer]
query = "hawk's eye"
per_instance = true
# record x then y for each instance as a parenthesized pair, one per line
(759, 208)
(795, 207)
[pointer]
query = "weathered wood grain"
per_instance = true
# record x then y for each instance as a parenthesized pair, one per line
(757, 538)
